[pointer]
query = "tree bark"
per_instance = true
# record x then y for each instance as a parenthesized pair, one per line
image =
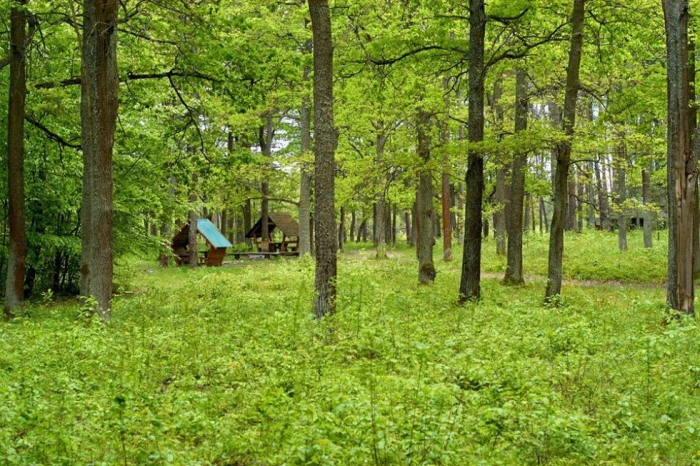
(426, 268)
(100, 83)
(602, 183)
(14, 291)
(380, 206)
(305, 184)
(580, 192)
(563, 153)
(514, 268)
(470, 283)
(621, 185)
(591, 197)
(193, 217)
(681, 162)
(341, 230)
(248, 221)
(326, 141)
(646, 199)
(266, 136)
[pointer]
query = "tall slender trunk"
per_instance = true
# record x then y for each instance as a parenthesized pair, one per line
(305, 183)
(248, 220)
(353, 225)
(414, 227)
(460, 208)
(621, 185)
(501, 197)
(646, 199)
(266, 136)
(341, 230)
(591, 197)
(563, 152)
(528, 201)
(426, 268)
(193, 217)
(407, 222)
(681, 161)
(514, 268)
(326, 141)
(602, 183)
(572, 208)
(14, 291)
(380, 207)
(580, 192)
(470, 283)
(100, 82)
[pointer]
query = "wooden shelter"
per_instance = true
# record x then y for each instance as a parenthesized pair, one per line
(217, 242)
(283, 222)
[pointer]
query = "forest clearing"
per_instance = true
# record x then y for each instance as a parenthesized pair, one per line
(349, 232)
(228, 366)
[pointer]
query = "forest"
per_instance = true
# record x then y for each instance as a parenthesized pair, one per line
(349, 232)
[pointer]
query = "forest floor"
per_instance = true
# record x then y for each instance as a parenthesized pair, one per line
(226, 366)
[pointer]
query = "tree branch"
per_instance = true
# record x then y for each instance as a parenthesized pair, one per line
(51, 135)
(131, 77)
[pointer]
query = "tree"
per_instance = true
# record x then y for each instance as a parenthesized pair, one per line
(326, 139)
(305, 178)
(100, 88)
(681, 161)
(424, 201)
(14, 294)
(563, 155)
(470, 285)
(514, 224)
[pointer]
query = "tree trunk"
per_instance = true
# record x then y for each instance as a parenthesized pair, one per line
(621, 185)
(601, 181)
(265, 138)
(528, 202)
(563, 153)
(580, 192)
(646, 199)
(14, 291)
(571, 213)
(394, 222)
(353, 225)
(341, 230)
(414, 227)
(446, 219)
(100, 82)
(470, 283)
(380, 206)
(305, 184)
(326, 141)
(681, 162)
(426, 268)
(514, 268)
(499, 215)
(193, 217)
(591, 197)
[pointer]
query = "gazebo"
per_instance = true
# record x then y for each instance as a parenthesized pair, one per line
(283, 222)
(217, 242)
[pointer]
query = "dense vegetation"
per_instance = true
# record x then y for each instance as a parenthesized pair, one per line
(406, 376)
(545, 150)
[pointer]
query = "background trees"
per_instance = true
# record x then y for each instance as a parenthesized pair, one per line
(198, 81)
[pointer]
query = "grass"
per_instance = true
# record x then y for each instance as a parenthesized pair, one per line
(227, 367)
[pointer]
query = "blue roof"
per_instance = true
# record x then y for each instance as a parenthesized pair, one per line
(210, 232)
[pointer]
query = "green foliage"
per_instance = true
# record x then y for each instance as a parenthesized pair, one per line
(227, 366)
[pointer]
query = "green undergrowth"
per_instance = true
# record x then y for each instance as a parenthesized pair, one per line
(226, 366)
(592, 255)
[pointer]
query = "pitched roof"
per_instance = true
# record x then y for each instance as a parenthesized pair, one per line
(206, 229)
(212, 234)
(282, 220)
